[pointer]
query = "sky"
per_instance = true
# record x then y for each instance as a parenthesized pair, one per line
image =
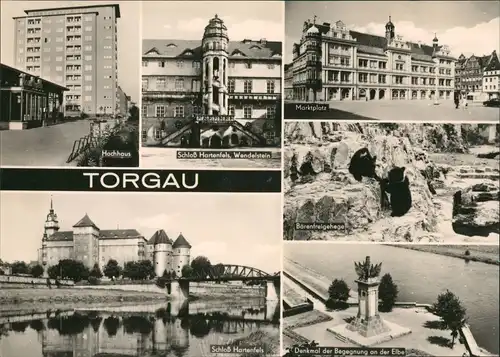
(129, 44)
(468, 27)
(233, 228)
(186, 20)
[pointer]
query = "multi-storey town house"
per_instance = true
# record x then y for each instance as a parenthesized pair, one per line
(469, 76)
(332, 62)
(491, 77)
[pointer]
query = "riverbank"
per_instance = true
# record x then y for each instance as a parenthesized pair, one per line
(15, 301)
(487, 254)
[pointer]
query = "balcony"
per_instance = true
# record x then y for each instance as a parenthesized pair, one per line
(255, 96)
(73, 69)
(150, 94)
(339, 82)
(311, 63)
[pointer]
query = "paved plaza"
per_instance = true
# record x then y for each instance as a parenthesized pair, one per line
(400, 110)
(44, 146)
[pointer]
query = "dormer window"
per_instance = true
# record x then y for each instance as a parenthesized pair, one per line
(255, 47)
(171, 45)
(188, 53)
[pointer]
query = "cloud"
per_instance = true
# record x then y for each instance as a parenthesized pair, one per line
(249, 29)
(481, 39)
(167, 26)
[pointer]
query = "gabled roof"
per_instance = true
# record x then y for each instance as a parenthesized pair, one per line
(160, 237)
(85, 222)
(119, 234)
(493, 63)
(178, 48)
(61, 236)
(376, 45)
(181, 242)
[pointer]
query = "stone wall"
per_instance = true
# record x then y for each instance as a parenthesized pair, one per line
(223, 289)
(129, 287)
(16, 282)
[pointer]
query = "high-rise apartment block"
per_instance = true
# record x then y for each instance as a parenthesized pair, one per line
(75, 47)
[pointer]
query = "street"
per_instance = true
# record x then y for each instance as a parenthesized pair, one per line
(44, 146)
(400, 110)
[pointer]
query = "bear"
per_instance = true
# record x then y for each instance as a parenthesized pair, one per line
(397, 185)
(306, 168)
(363, 165)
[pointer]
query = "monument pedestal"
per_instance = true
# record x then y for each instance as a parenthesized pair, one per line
(368, 327)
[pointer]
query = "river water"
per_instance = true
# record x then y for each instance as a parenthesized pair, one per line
(420, 277)
(146, 332)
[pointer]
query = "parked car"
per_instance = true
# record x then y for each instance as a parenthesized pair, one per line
(495, 102)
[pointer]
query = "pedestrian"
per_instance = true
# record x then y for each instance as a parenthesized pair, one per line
(457, 101)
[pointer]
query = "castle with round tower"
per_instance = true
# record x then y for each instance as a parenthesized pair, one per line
(168, 255)
(91, 245)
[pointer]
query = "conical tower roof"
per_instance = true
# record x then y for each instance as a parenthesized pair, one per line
(85, 222)
(181, 242)
(160, 237)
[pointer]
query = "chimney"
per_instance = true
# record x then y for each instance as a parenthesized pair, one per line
(419, 43)
(263, 41)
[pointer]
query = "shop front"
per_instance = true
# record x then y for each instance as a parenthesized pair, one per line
(28, 101)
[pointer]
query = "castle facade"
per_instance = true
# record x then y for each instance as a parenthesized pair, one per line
(91, 245)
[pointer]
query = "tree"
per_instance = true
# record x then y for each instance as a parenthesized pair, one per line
(134, 113)
(187, 271)
(36, 271)
(72, 269)
(20, 268)
(140, 270)
(96, 272)
(452, 313)
(338, 290)
(112, 270)
(53, 271)
(387, 292)
(201, 265)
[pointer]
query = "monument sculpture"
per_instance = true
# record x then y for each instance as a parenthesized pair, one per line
(368, 322)
(368, 328)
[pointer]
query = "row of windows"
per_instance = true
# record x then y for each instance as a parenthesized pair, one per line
(179, 85)
(197, 64)
(179, 112)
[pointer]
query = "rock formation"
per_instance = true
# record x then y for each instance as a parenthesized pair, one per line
(476, 209)
(333, 195)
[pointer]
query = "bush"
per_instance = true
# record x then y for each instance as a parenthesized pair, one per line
(36, 271)
(388, 292)
(338, 290)
(95, 272)
(93, 280)
(336, 304)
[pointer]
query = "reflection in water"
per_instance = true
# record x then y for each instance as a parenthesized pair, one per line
(142, 334)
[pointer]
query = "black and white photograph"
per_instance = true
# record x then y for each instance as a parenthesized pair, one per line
(392, 60)
(426, 300)
(70, 83)
(211, 84)
(120, 275)
(391, 182)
